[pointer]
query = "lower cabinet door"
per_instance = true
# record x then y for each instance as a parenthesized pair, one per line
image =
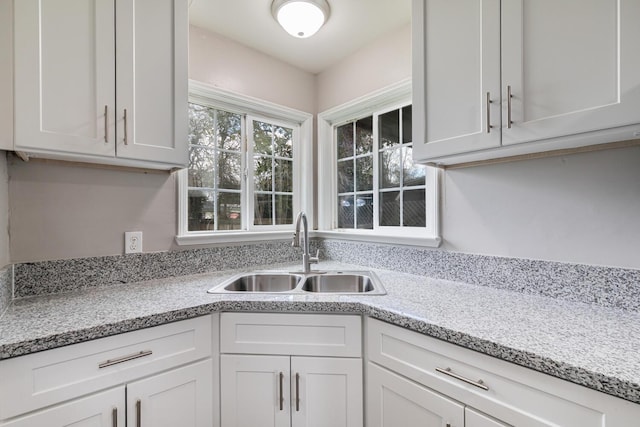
(478, 419)
(394, 401)
(106, 409)
(180, 397)
(326, 392)
(255, 391)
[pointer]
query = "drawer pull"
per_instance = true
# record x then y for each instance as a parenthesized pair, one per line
(114, 417)
(449, 372)
(122, 359)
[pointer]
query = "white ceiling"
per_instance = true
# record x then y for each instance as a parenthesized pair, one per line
(352, 25)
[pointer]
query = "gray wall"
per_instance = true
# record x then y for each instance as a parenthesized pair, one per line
(63, 211)
(580, 208)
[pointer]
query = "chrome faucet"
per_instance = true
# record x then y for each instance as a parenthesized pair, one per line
(307, 259)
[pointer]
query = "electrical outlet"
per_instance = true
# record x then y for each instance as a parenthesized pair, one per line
(132, 242)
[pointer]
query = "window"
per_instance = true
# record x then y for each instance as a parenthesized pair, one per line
(244, 175)
(377, 192)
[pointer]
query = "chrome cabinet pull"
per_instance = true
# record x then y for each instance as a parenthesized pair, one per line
(449, 372)
(138, 411)
(126, 140)
(114, 417)
(297, 392)
(509, 96)
(281, 391)
(106, 123)
(489, 112)
(122, 359)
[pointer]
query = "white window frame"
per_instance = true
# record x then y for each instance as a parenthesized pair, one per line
(387, 99)
(251, 108)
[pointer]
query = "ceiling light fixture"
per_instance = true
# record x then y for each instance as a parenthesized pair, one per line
(300, 18)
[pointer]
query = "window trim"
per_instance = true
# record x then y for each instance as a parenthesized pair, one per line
(205, 94)
(384, 99)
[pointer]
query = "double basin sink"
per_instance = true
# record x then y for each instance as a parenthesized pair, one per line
(333, 282)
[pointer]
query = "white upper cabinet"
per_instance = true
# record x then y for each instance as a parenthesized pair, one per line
(69, 54)
(491, 76)
(458, 65)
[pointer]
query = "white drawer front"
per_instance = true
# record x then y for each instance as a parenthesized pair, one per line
(517, 395)
(40, 379)
(291, 334)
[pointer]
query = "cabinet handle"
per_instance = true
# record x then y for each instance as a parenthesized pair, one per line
(281, 391)
(106, 123)
(297, 392)
(125, 139)
(489, 113)
(449, 372)
(138, 413)
(114, 417)
(112, 362)
(509, 96)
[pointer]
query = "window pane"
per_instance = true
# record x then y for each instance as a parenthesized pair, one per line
(390, 208)
(364, 135)
(201, 172)
(262, 137)
(284, 209)
(284, 176)
(283, 142)
(389, 127)
(200, 210)
(229, 211)
(412, 174)
(229, 131)
(414, 208)
(229, 171)
(390, 168)
(263, 209)
(364, 173)
(262, 173)
(345, 141)
(201, 125)
(345, 176)
(364, 210)
(406, 125)
(345, 212)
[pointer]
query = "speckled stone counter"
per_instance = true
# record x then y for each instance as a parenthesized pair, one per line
(591, 345)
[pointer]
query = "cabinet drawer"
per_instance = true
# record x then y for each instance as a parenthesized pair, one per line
(41, 379)
(516, 395)
(291, 334)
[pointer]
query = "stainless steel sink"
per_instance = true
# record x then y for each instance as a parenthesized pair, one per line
(340, 282)
(262, 282)
(334, 282)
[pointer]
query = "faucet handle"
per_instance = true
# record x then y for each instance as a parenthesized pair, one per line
(315, 259)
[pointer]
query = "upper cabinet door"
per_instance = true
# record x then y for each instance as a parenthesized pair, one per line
(152, 80)
(64, 76)
(456, 76)
(571, 67)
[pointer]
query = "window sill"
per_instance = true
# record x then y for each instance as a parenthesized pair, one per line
(413, 240)
(232, 237)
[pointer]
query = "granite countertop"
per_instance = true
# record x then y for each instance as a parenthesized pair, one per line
(590, 345)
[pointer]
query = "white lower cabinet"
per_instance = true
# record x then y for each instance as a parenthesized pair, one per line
(303, 385)
(395, 401)
(104, 409)
(416, 380)
(155, 377)
(181, 397)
